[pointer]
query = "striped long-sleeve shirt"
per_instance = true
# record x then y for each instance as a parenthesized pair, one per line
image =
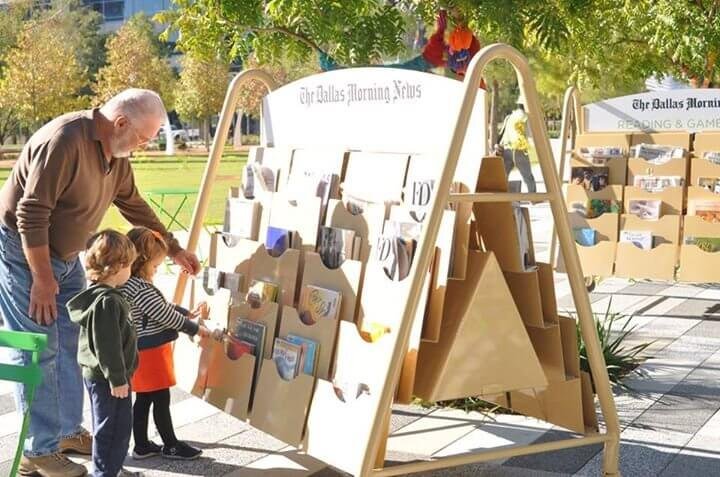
(156, 321)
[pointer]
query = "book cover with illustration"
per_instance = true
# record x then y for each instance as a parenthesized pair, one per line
(261, 292)
(212, 280)
(310, 352)
(585, 236)
(335, 245)
(708, 210)
(287, 357)
(656, 153)
(252, 332)
(706, 244)
(277, 240)
(657, 183)
(594, 208)
(712, 156)
(317, 303)
(590, 178)
(312, 183)
(236, 348)
(640, 238)
(395, 255)
(645, 209)
(599, 155)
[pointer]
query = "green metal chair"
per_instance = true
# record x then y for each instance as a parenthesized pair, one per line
(30, 375)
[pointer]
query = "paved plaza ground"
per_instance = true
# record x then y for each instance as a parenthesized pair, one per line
(670, 421)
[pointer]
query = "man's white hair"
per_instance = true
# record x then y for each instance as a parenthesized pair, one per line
(136, 104)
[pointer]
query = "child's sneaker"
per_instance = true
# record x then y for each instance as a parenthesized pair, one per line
(127, 473)
(181, 451)
(148, 450)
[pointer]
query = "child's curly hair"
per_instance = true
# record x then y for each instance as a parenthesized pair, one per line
(149, 245)
(106, 253)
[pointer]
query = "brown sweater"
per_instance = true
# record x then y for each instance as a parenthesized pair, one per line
(62, 186)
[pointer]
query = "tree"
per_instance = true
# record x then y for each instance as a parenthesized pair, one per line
(201, 90)
(42, 77)
(133, 61)
(357, 32)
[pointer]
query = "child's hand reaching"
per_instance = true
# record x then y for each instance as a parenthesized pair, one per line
(120, 392)
(200, 311)
(203, 332)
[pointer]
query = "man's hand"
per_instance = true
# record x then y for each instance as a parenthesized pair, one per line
(188, 261)
(120, 392)
(43, 304)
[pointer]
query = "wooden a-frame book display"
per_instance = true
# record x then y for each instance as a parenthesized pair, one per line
(381, 109)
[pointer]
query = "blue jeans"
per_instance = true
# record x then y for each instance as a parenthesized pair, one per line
(56, 411)
(112, 427)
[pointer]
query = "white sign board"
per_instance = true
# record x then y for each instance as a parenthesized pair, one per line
(681, 109)
(371, 109)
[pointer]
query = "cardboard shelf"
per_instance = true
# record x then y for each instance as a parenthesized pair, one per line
(672, 198)
(657, 263)
(230, 381)
(323, 332)
(267, 314)
(482, 320)
(344, 279)
(280, 407)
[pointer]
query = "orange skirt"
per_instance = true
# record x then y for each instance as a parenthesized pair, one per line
(155, 370)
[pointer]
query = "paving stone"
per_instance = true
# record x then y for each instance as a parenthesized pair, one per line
(665, 327)
(643, 288)
(659, 375)
(678, 413)
(705, 329)
(630, 406)
(566, 461)
(695, 308)
(699, 457)
(7, 403)
(681, 291)
(502, 431)
(487, 470)
(643, 452)
(709, 292)
(434, 431)
(402, 415)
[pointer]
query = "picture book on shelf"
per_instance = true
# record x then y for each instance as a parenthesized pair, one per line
(310, 352)
(640, 238)
(712, 156)
(594, 208)
(585, 236)
(236, 348)
(287, 357)
(277, 240)
(417, 196)
(657, 154)
(710, 184)
(657, 183)
(522, 222)
(312, 183)
(253, 333)
(590, 178)
(645, 209)
(708, 210)
(599, 155)
(335, 245)
(317, 303)
(261, 292)
(257, 179)
(395, 254)
(706, 244)
(242, 218)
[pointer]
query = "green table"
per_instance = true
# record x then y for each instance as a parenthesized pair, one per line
(156, 197)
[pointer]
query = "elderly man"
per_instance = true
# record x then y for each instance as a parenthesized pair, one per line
(67, 176)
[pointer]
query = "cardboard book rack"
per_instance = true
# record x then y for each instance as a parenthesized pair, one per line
(341, 414)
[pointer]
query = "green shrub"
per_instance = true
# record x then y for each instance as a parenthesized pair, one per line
(619, 359)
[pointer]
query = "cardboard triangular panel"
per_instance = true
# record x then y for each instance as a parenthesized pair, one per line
(560, 404)
(482, 321)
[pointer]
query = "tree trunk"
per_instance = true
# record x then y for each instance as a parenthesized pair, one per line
(206, 132)
(237, 131)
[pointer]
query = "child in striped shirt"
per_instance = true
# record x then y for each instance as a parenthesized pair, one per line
(157, 324)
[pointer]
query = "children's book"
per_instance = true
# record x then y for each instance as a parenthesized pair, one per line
(706, 244)
(236, 348)
(277, 240)
(242, 218)
(640, 238)
(253, 333)
(262, 292)
(287, 357)
(310, 351)
(585, 236)
(318, 303)
(335, 245)
(645, 209)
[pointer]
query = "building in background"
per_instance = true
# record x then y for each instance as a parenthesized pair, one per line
(116, 12)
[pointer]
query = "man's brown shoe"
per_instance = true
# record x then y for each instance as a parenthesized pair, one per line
(80, 443)
(53, 465)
